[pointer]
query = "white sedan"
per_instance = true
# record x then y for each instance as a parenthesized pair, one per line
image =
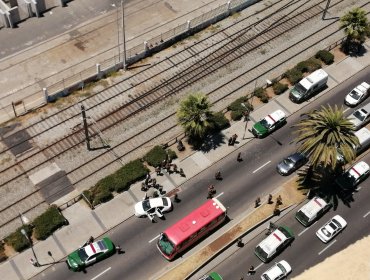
(357, 95)
(153, 206)
(279, 271)
(331, 228)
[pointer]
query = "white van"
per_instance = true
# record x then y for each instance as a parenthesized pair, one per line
(308, 86)
(363, 136)
(312, 211)
(274, 243)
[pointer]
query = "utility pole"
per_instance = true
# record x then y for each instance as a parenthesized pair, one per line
(124, 37)
(85, 127)
(326, 9)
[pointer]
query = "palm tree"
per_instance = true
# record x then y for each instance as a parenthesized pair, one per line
(194, 115)
(355, 25)
(322, 132)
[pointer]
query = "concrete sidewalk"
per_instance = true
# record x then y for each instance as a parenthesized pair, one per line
(85, 222)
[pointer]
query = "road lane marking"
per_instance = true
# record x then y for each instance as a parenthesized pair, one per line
(150, 241)
(366, 214)
(327, 247)
(219, 195)
(258, 266)
(261, 166)
(100, 274)
(303, 231)
(346, 110)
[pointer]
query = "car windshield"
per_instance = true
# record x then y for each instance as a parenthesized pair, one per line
(265, 123)
(281, 267)
(82, 254)
(337, 224)
(354, 94)
(288, 162)
(300, 88)
(165, 202)
(146, 205)
(302, 217)
(359, 115)
(165, 245)
(261, 253)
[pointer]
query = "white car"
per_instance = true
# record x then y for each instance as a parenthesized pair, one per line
(278, 271)
(357, 95)
(353, 176)
(331, 228)
(153, 206)
(360, 117)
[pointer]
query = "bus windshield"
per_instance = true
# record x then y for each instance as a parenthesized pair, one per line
(165, 245)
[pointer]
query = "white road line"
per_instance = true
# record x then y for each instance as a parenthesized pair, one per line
(366, 214)
(100, 274)
(150, 241)
(302, 232)
(327, 247)
(261, 166)
(219, 195)
(346, 110)
(258, 266)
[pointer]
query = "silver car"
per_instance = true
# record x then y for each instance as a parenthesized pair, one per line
(360, 117)
(291, 163)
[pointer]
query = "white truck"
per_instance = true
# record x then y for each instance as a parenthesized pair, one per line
(308, 86)
(363, 136)
(357, 95)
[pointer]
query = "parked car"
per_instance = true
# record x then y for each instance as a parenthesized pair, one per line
(309, 85)
(353, 176)
(279, 271)
(331, 228)
(291, 163)
(360, 117)
(211, 276)
(357, 95)
(363, 136)
(153, 206)
(269, 123)
(90, 253)
(277, 241)
(312, 211)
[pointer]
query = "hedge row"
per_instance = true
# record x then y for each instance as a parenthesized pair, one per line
(119, 181)
(325, 56)
(157, 155)
(42, 227)
(238, 110)
(261, 94)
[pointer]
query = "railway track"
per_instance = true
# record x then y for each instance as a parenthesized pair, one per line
(241, 44)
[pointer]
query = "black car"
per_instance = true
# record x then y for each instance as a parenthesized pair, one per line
(291, 163)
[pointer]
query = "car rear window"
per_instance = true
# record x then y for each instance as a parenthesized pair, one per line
(165, 202)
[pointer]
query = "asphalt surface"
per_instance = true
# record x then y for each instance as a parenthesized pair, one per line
(242, 183)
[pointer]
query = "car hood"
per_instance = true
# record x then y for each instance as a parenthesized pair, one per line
(350, 100)
(356, 122)
(260, 128)
(74, 260)
(139, 210)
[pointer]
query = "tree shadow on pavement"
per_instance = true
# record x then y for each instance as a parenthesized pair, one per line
(321, 182)
(211, 142)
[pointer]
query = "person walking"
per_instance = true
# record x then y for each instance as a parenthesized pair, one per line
(211, 189)
(210, 195)
(176, 198)
(158, 170)
(251, 270)
(174, 168)
(230, 141)
(269, 199)
(218, 175)
(257, 202)
(181, 172)
(279, 200)
(240, 243)
(234, 137)
(239, 158)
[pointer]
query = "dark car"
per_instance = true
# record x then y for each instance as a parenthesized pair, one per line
(291, 163)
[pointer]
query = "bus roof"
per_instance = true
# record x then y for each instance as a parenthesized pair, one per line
(193, 222)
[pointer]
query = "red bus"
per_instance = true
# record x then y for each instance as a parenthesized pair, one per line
(191, 228)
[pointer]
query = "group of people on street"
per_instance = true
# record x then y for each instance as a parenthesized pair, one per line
(232, 140)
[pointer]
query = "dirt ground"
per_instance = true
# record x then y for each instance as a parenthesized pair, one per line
(289, 194)
(350, 263)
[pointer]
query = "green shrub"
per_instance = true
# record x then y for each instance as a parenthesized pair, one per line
(313, 64)
(129, 174)
(261, 94)
(108, 183)
(102, 196)
(17, 240)
(171, 154)
(155, 156)
(237, 109)
(326, 56)
(302, 66)
(293, 75)
(279, 88)
(3, 257)
(87, 194)
(236, 115)
(48, 222)
(236, 105)
(219, 121)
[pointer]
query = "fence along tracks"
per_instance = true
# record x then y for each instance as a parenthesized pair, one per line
(239, 46)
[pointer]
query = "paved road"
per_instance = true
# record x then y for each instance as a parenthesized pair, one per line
(242, 183)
